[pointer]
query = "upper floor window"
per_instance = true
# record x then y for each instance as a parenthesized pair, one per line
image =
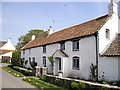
(76, 45)
(44, 49)
(107, 34)
(76, 63)
(29, 50)
(44, 61)
(23, 52)
(62, 45)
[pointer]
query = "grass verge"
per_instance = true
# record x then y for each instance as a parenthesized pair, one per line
(41, 84)
(13, 72)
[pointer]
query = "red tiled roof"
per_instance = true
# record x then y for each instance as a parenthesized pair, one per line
(5, 51)
(84, 29)
(114, 48)
(2, 43)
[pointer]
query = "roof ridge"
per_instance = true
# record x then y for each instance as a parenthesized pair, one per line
(83, 29)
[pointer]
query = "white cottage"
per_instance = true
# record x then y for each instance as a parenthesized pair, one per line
(6, 50)
(75, 48)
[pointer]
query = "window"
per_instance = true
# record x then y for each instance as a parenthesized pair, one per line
(107, 32)
(29, 59)
(59, 63)
(33, 59)
(76, 45)
(44, 61)
(29, 50)
(23, 52)
(76, 63)
(62, 46)
(44, 49)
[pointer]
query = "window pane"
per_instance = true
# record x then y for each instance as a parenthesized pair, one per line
(59, 64)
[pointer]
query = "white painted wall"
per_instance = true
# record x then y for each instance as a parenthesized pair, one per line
(8, 46)
(6, 54)
(86, 54)
(119, 68)
(108, 65)
(112, 25)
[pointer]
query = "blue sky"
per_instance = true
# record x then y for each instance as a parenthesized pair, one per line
(20, 17)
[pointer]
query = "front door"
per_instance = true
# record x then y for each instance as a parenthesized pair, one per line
(57, 66)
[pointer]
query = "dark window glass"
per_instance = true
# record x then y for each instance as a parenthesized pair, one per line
(76, 63)
(76, 45)
(33, 59)
(29, 50)
(23, 52)
(44, 61)
(59, 63)
(62, 46)
(107, 33)
(44, 49)
(29, 59)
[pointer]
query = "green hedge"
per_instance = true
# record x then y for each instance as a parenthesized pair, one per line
(24, 71)
(41, 84)
(13, 72)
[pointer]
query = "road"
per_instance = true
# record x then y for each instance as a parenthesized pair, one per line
(9, 81)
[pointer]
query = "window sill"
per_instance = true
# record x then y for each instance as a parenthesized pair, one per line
(75, 50)
(75, 68)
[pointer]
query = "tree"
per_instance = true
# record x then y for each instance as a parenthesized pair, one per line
(16, 58)
(51, 59)
(24, 39)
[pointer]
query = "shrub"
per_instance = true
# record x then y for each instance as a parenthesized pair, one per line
(82, 85)
(26, 61)
(58, 81)
(75, 85)
(16, 58)
(43, 78)
(104, 88)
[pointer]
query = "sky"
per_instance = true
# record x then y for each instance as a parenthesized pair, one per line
(18, 18)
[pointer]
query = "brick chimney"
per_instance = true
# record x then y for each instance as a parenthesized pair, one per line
(112, 8)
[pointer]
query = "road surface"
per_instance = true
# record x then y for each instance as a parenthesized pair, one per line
(9, 81)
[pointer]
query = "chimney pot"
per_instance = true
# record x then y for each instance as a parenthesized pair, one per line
(33, 37)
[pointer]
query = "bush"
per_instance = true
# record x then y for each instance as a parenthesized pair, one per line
(82, 85)
(58, 81)
(16, 58)
(26, 61)
(43, 78)
(23, 71)
(75, 85)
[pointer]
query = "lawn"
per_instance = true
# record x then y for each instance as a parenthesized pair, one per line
(41, 84)
(13, 72)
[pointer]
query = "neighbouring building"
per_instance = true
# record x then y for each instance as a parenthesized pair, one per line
(6, 50)
(75, 48)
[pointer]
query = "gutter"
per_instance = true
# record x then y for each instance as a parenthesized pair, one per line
(97, 53)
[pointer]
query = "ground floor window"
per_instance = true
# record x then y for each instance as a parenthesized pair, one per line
(44, 61)
(76, 63)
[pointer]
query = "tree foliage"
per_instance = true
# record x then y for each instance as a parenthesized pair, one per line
(16, 58)
(24, 39)
(51, 60)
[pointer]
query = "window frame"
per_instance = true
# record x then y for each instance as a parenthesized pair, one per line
(107, 34)
(62, 46)
(60, 64)
(23, 52)
(29, 50)
(76, 63)
(44, 49)
(76, 45)
(44, 61)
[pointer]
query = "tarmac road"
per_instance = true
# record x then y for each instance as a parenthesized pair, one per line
(9, 81)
